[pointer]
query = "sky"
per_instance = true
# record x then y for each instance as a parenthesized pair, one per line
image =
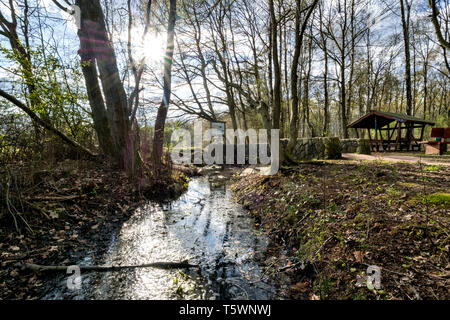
(63, 35)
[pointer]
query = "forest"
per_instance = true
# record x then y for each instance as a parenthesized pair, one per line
(94, 94)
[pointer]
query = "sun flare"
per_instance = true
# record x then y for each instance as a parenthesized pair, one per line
(153, 48)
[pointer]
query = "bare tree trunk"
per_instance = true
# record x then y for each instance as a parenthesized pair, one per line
(95, 37)
(96, 101)
(342, 75)
(299, 32)
(405, 13)
(326, 102)
(306, 97)
(434, 19)
(158, 143)
(343, 100)
(352, 63)
(276, 108)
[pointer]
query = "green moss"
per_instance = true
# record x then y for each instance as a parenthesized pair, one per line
(438, 199)
(333, 149)
(394, 193)
(432, 168)
(360, 295)
(292, 218)
(409, 185)
(364, 147)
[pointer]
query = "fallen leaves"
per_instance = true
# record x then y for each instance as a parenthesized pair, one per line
(300, 286)
(358, 256)
(54, 215)
(66, 210)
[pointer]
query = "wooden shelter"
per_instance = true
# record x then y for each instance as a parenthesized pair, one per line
(392, 131)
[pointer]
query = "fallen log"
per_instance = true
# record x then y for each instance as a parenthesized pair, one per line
(157, 265)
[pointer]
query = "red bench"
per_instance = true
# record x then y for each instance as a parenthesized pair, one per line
(438, 147)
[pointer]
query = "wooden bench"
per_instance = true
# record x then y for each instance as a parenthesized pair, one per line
(438, 147)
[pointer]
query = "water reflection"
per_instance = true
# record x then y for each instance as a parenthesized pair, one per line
(204, 226)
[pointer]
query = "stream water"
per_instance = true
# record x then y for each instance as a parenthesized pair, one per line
(204, 226)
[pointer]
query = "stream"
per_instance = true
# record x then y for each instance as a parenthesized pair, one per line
(204, 226)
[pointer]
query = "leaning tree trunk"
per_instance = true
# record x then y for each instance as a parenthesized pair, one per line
(94, 36)
(158, 143)
(47, 125)
(95, 96)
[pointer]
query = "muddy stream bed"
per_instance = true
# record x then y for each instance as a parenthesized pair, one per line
(204, 226)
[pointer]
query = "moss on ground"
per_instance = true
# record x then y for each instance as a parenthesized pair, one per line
(439, 199)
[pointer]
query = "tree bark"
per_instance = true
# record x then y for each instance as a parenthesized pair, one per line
(158, 143)
(299, 32)
(96, 101)
(405, 26)
(276, 107)
(95, 34)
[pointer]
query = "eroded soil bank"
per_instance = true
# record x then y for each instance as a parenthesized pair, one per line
(337, 218)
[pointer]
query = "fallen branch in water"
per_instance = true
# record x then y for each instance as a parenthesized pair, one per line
(157, 265)
(56, 198)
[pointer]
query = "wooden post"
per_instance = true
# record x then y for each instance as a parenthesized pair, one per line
(376, 129)
(376, 133)
(409, 136)
(422, 132)
(399, 136)
(370, 139)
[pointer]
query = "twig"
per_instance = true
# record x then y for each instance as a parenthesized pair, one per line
(157, 265)
(323, 245)
(25, 255)
(293, 266)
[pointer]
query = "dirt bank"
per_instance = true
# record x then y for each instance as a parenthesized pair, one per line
(337, 218)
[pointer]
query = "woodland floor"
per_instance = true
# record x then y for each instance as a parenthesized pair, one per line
(71, 210)
(339, 217)
(336, 216)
